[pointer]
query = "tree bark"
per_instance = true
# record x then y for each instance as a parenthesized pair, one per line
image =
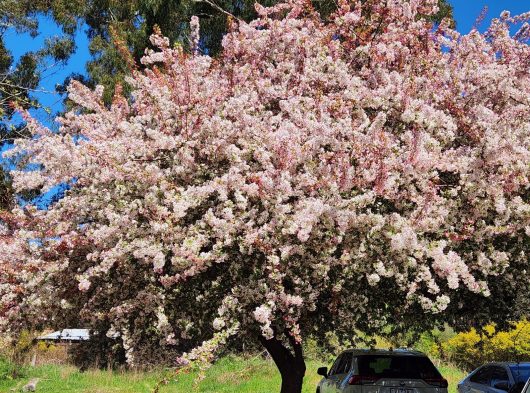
(291, 364)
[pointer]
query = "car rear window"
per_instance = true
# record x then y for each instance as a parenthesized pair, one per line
(395, 366)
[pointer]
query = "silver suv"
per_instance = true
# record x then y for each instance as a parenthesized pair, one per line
(379, 371)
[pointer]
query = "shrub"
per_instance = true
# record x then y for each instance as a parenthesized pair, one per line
(21, 347)
(432, 342)
(10, 370)
(473, 348)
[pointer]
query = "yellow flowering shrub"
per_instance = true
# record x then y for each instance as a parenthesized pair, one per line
(473, 348)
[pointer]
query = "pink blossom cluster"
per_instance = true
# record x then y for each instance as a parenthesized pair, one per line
(318, 176)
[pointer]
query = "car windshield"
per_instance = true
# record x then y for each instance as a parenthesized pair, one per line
(395, 366)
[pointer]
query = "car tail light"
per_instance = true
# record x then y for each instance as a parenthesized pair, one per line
(438, 382)
(361, 380)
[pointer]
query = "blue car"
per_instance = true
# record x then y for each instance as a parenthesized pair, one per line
(498, 377)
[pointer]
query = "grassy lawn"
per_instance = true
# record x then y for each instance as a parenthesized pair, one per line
(234, 375)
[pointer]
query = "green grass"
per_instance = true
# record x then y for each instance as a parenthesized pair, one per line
(234, 375)
(452, 374)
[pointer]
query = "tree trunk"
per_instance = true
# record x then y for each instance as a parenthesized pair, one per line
(290, 364)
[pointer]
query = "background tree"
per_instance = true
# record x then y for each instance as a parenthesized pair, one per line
(18, 80)
(133, 21)
(6, 191)
(357, 173)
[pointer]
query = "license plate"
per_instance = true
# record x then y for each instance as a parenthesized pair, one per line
(400, 390)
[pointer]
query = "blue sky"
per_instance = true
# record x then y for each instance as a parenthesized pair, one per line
(467, 11)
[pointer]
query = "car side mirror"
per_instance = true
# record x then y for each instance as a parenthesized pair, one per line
(323, 371)
(502, 385)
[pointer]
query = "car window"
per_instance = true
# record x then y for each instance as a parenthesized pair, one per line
(345, 364)
(397, 366)
(520, 372)
(526, 388)
(482, 376)
(518, 387)
(333, 369)
(498, 374)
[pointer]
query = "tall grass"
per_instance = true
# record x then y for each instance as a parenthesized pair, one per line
(228, 375)
(452, 374)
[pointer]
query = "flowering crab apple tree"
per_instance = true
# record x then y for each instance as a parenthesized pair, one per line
(366, 173)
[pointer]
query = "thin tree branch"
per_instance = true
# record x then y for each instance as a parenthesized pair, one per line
(219, 8)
